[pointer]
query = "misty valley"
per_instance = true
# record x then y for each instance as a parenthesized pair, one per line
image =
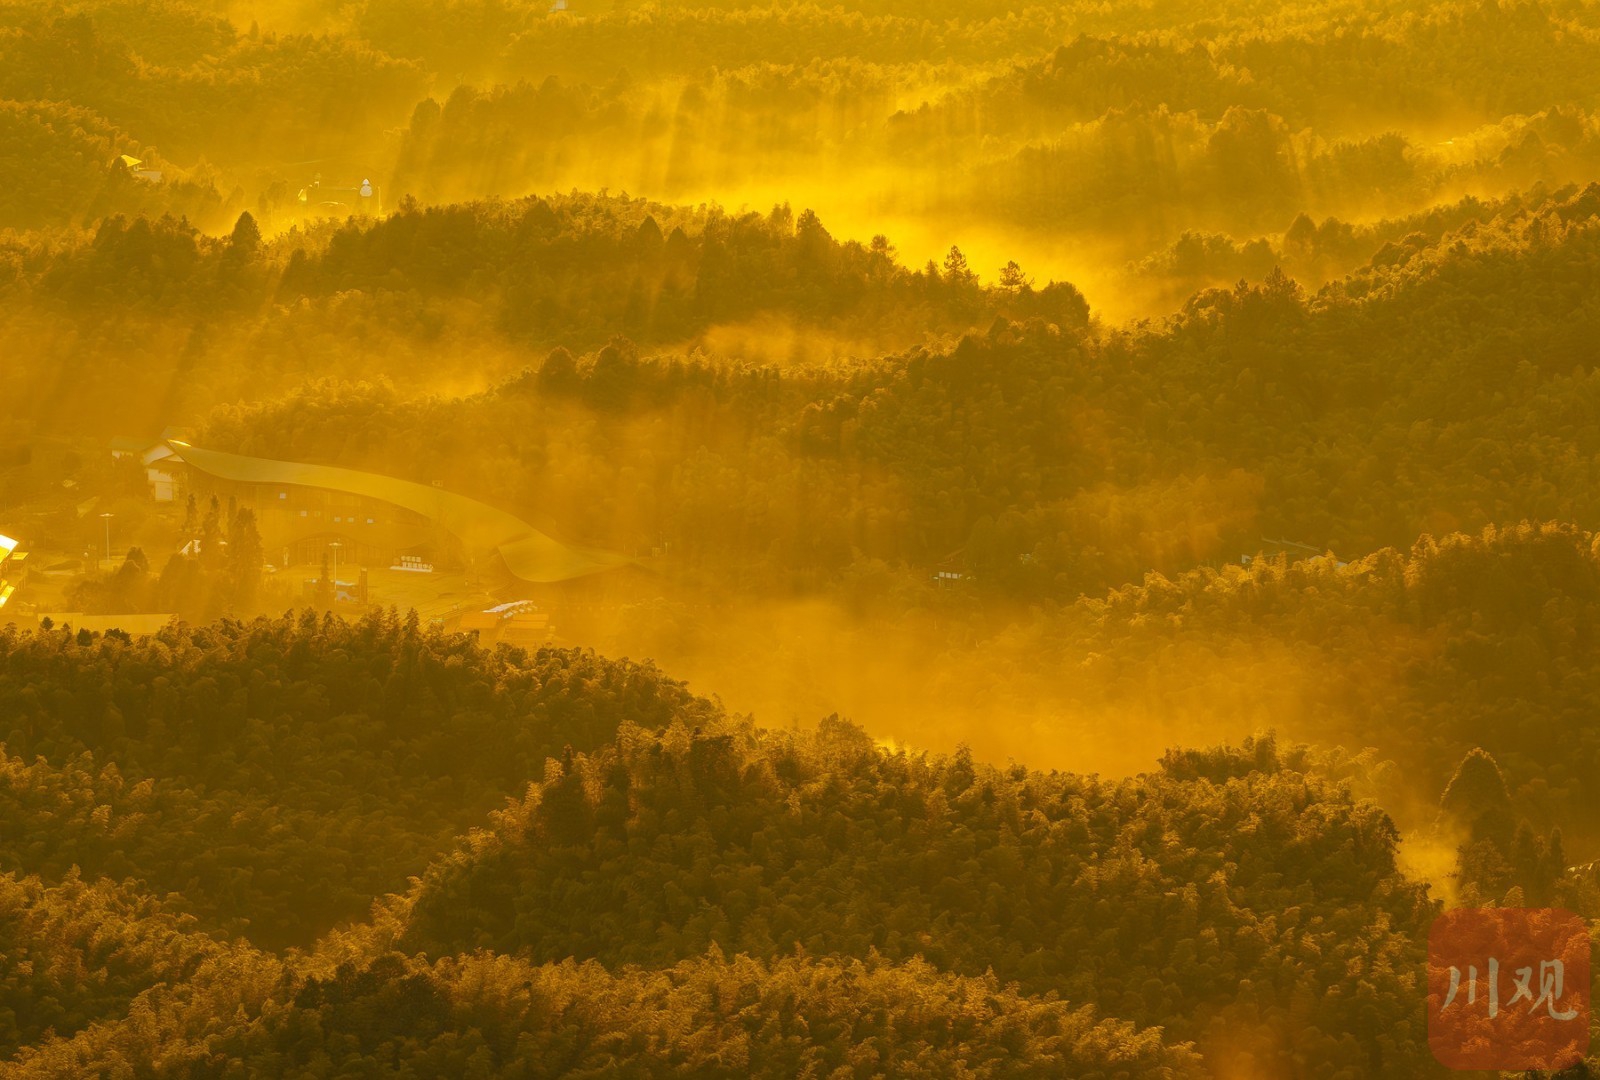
(604, 538)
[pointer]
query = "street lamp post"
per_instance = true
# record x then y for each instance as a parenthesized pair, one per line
(335, 545)
(106, 517)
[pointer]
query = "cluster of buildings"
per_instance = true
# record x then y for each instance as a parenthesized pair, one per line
(519, 622)
(376, 539)
(136, 168)
(303, 511)
(402, 531)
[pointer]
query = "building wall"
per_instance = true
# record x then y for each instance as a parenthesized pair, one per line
(298, 523)
(164, 484)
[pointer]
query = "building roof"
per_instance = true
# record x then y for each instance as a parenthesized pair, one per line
(152, 449)
(531, 555)
(7, 545)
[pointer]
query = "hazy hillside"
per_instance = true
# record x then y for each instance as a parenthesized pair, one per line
(1235, 905)
(273, 778)
(1027, 542)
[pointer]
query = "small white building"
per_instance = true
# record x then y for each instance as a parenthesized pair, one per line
(161, 464)
(136, 167)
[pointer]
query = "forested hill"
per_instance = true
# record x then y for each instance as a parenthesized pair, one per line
(793, 898)
(277, 775)
(483, 1016)
(1424, 653)
(639, 881)
(1445, 385)
(1098, 126)
(460, 295)
(1119, 892)
(696, 895)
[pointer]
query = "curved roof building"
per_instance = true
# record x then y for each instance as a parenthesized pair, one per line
(528, 553)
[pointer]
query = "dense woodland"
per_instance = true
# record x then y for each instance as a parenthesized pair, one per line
(691, 886)
(385, 730)
(1114, 129)
(1113, 489)
(1444, 386)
